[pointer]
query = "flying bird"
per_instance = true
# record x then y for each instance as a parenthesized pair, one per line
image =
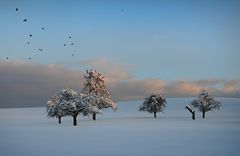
(28, 42)
(29, 58)
(42, 28)
(16, 9)
(25, 20)
(69, 37)
(7, 58)
(64, 44)
(71, 43)
(30, 35)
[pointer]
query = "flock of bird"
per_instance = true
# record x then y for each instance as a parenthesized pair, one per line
(30, 36)
(43, 28)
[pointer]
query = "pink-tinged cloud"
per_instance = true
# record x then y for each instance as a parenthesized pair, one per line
(231, 86)
(135, 89)
(28, 84)
(182, 88)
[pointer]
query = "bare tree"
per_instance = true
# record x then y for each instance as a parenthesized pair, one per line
(205, 103)
(153, 104)
(191, 110)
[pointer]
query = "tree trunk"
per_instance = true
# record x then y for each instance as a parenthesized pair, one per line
(193, 115)
(75, 120)
(191, 111)
(59, 120)
(155, 115)
(94, 116)
(203, 114)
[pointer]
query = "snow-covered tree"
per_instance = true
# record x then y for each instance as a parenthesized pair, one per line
(153, 104)
(96, 93)
(91, 102)
(66, 102)
(205, 103)
(55, 108)
(74, 104)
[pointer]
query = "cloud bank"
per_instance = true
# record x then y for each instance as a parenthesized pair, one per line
(26, 84)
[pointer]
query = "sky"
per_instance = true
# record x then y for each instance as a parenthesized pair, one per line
(168, 46)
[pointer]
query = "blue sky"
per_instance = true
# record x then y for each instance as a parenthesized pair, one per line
(175, 47)
(158, 39)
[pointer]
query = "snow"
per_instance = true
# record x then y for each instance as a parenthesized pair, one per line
(128, 132)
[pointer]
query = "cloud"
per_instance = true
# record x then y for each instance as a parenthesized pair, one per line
(113, 72)
(135, 89)
(26, 84)
(138, 89)
(231, 89)
(182, 88)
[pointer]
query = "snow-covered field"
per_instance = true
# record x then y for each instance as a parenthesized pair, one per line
(27, 131)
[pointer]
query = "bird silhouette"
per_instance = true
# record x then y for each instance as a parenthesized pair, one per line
(16, 9)
(42, 28)
(7, 58)
(25, 20)
(40, 49)
(69, 37)
(30, 35)
(29, 58)
(64, 44)
(71, 43)
(28, 42)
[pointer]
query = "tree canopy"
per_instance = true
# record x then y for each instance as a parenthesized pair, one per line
(66, 102)
(96, 93)
(153, 104)
(205, 102)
